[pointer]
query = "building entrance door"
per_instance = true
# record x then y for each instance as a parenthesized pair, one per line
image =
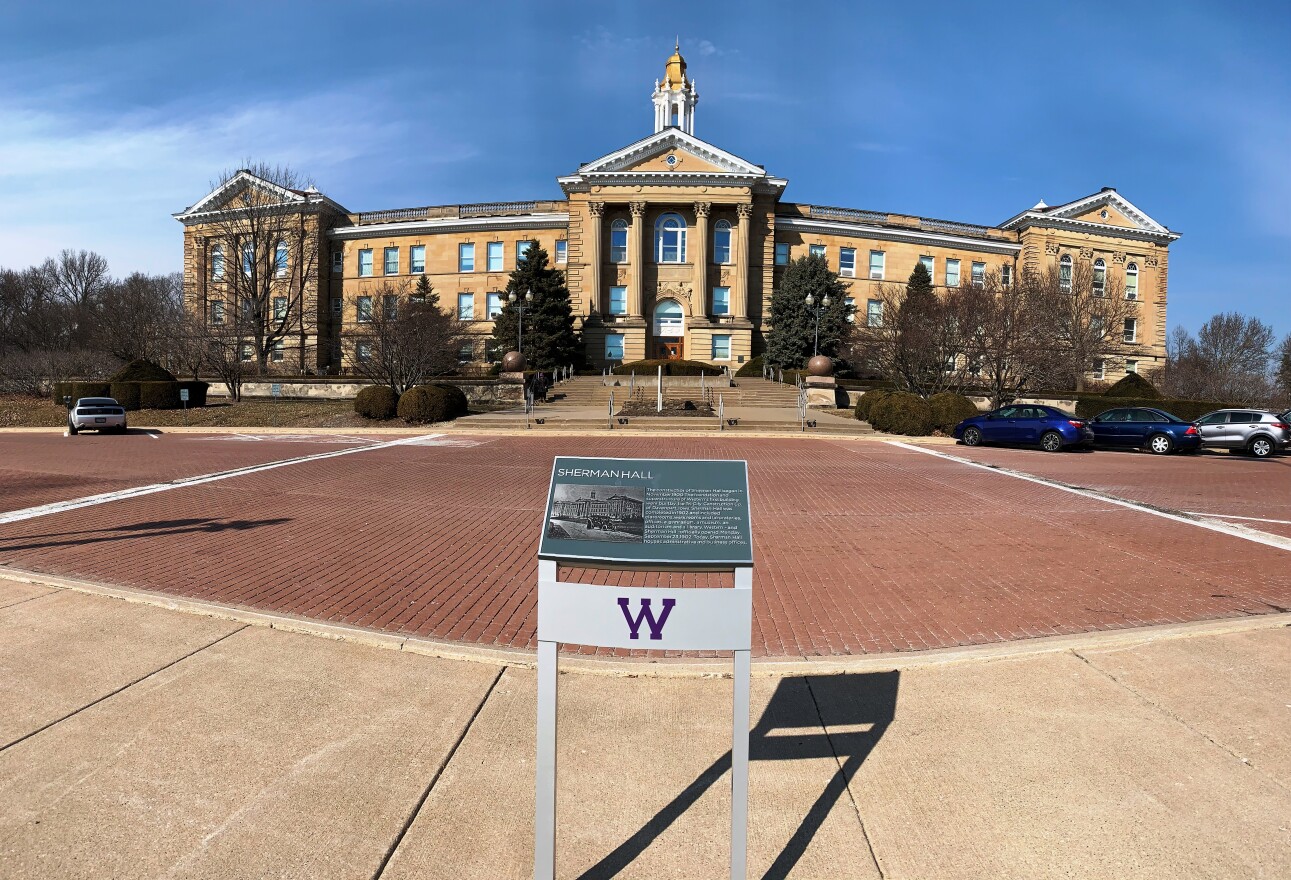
(671, 350)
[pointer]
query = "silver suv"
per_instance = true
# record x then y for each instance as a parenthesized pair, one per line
(1258, 432)
(99, 413)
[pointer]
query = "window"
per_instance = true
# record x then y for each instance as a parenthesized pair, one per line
(492, 351)
(465, 353)
(618, 300)
(781, 254)
(248, 258)
(365, 262)
(493, 304)
(217, 263)
(417, 259)
(1131, 367)
(562, 250)
(614, 346)
(847, 262)
(522, 250)
(619, 241)
(466, 257)
(280, 308)
(930, 264)
(363, 352)
(247, 309)
(277, 352)
(1096, 325)
(390, 306)
(849, 306)
(338, 262)
(721, 300)
(817, 250)
(670, 239)
(248, 352)
(876, 265)
(722, 242)
(1006, 276)
(1064, 273)
(952, 273)
(364, 307)
(1100, 277)
(338, 304)
(1131, 333)
(874, 313)
(217, 311)
(1132, 281)
(721, 347)
(979, 274)
(1100, 369)
(466, 307)
(280, 260)
(495, 256)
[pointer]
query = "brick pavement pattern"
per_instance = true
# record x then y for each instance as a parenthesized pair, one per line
(859, 546)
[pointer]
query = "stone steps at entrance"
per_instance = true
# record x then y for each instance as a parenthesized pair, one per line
(583, 391)
(597, 419)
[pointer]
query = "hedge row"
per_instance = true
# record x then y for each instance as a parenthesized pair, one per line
(670, 367)
(898, 412)
(431, 403)
(135, 395)
(377, 402)
(1089, 406)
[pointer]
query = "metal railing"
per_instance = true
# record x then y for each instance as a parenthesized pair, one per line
(848, 214)
(494, 208)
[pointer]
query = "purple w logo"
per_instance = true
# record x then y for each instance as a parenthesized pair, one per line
(656, 626)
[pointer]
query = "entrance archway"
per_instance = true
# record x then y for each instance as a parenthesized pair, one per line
(669, 330)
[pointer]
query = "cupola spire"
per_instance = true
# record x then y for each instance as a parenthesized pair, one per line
(675, 95)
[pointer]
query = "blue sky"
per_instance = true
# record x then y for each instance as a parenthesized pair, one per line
(113, 116)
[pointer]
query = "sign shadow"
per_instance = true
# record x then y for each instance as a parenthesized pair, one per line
(832, 716)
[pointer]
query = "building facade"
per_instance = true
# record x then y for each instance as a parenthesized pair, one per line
(671, 247)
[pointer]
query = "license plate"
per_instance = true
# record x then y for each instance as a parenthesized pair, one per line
(100, 421)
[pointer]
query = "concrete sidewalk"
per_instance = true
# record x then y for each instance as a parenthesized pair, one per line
(141, 742)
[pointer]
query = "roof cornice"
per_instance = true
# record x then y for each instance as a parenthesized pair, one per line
(1029, 219)
(888, 233)
(452, 224)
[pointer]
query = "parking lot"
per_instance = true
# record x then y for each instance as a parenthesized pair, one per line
(860, 545)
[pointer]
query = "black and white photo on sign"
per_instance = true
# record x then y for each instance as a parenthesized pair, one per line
(598, 513)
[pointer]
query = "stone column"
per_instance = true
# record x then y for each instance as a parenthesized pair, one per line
(591, 247)
(636, 258)
(699, 252)
(740, 301)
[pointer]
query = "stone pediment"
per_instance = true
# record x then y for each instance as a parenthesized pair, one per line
(689, 152)
(245, 187)
(1106, 208)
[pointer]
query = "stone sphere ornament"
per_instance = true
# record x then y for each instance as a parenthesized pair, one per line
(820, 366)
(513, 362)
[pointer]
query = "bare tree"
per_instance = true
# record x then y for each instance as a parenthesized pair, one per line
(404, 337)
(1282, 369)
(1008, 347)
(139, 316)
(269, 244)
(1228, 360)
(1088, 308)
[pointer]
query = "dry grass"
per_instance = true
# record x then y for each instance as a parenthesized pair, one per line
(32, 412)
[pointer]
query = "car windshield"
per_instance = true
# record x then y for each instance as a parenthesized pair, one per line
(96, 401)
(1162, 415)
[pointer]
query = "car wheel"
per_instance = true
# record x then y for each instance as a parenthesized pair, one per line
(1261, 447)
(72, 429)
(972, 437)
(1051, 441)
(1160, 444)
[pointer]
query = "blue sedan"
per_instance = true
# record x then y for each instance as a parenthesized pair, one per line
(1046, 426)
(1142, 427)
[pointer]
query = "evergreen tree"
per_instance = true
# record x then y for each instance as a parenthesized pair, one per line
(422, 292)
(549, 337)
(793, 324)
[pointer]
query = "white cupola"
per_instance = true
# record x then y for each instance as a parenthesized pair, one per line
(675, 96)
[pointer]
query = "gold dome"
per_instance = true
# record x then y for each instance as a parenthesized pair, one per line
(674, 74)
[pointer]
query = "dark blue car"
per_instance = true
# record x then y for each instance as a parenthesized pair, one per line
(1026, 423)
(1142, 427)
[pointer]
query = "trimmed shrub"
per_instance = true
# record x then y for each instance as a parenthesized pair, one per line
(1133, 385)
(670, 367)
(77, 390)
(431, 403)
(142, 371)
(1088, 407)
(750, 369)
(865, 405)
(949, 409)
(902, 413)
(376, 402)
(196, 392)
(126, 394)
(158, 395)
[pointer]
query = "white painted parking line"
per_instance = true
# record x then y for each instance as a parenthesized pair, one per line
(122, 494)
(1231, 529)
(327, 439)
(1280, 522)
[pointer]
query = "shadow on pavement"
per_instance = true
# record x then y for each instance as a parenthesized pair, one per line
(156, 529)
(783, 733)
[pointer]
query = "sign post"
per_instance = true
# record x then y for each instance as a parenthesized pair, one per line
(183, 397)
(646, 515)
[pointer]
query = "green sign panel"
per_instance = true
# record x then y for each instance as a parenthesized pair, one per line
(635, 510)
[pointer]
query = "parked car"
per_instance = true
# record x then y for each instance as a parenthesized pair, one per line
(1259, 432)
(98, 413)
(1047, 426)
(1142, 427)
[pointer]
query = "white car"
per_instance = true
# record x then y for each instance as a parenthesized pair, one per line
(97, 413)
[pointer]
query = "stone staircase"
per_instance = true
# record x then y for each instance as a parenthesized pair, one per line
(593, 391)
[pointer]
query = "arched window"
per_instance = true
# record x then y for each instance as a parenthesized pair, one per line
(217, 263)
(722, 242)
(619, 241)
(668, 319)
(1064, 273)
(1100, 277)
(248, 258)
(1132, 281)
(670, 239)
(280, 260)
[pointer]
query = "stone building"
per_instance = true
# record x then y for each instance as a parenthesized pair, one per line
(672, 246)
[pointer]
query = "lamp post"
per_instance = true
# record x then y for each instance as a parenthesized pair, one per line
(817, 310)
(520, 310)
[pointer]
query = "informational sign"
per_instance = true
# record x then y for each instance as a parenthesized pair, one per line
(183, 395)
(644, 515)
(275, 389)
(672, 511)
